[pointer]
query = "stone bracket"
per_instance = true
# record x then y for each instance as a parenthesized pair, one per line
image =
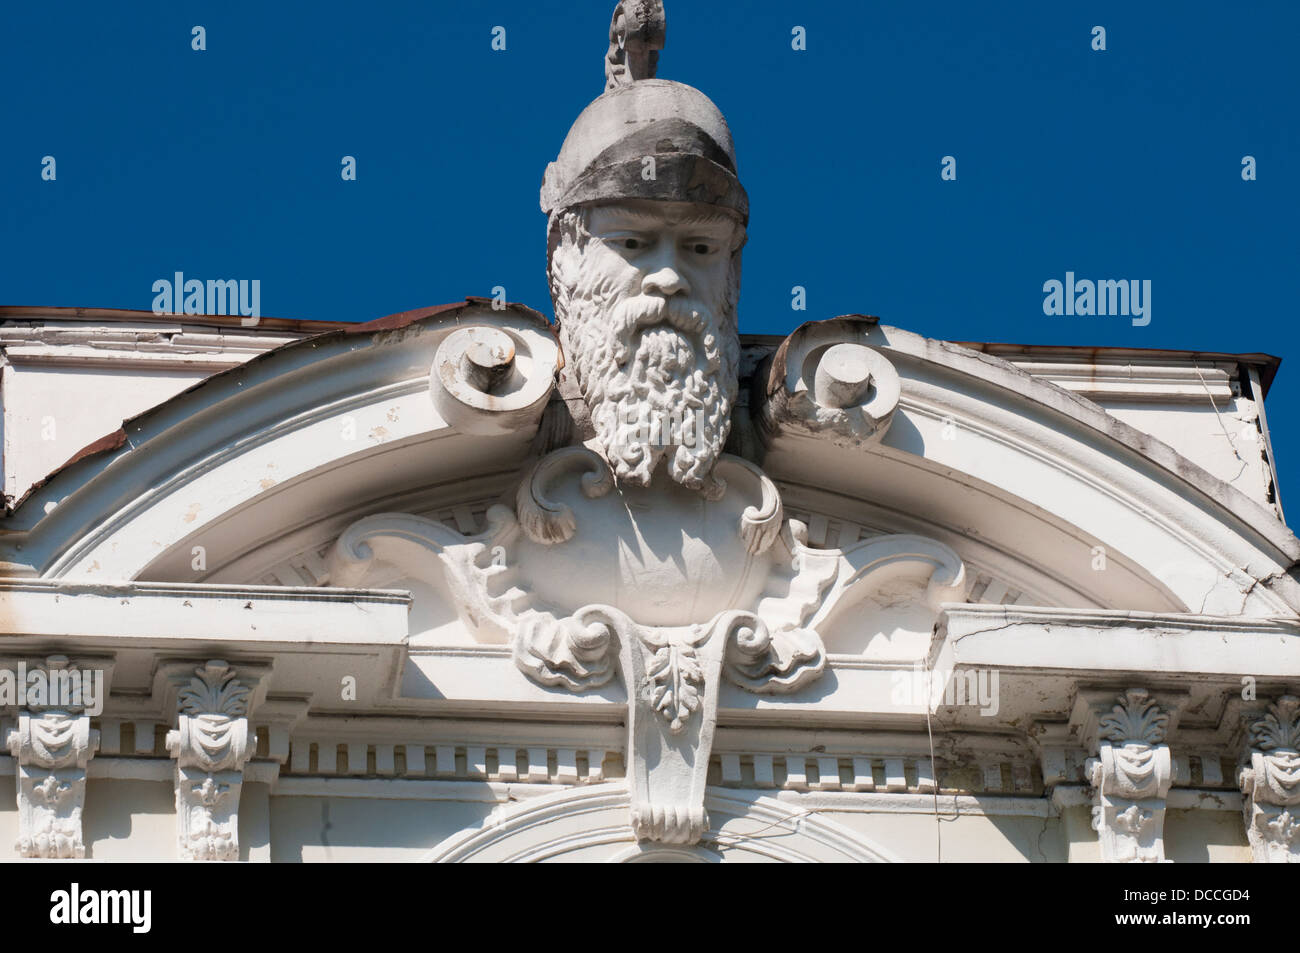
(1270, 782)
(212, 743)
(52, 748)
(52, 744)
(1131, 774)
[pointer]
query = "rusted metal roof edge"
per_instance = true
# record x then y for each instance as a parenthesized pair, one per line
(112, 442)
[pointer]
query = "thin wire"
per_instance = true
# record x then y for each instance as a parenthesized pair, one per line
(1231, 445)
(753, 835)
(934, 768)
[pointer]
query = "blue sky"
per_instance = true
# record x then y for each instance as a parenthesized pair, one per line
(1117, 164)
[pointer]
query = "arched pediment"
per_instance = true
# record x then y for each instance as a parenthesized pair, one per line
(263, 466)
(1030, 483)
(308, 435)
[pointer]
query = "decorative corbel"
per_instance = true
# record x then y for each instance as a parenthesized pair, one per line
(52, 747)
(1131, 777)
(211, 744)
(1270, 783)
(673, 677)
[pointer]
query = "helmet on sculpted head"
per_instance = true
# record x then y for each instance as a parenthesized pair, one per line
(645, 305)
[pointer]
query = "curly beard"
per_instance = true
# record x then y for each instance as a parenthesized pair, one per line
(659, 375)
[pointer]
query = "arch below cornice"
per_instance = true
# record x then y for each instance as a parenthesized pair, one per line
(594, 824)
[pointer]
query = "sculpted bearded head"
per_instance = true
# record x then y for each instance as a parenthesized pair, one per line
(647, 223)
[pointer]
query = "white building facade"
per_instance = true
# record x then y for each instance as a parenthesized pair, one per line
(461, 584)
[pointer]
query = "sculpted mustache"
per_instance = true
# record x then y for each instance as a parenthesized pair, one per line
(648, 310)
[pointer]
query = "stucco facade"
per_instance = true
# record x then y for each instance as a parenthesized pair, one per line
(1002, 481)
(469, 584)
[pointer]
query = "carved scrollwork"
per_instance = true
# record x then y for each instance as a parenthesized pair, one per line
(52, 738)
(824, 380)
(760, 524)
(545, 520)
(478, 570)
(493, 377)
(515, 583)
(766, 662)
(579, 652)
(672, 676)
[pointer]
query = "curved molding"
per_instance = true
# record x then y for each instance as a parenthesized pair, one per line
(211, 466)
(548, 521)
(866, 564)
(1013, 460)
(1013, 380)
(544, 829)
(356, 397)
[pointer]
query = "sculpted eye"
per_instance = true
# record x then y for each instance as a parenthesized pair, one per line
(632, 244)
(701, 247)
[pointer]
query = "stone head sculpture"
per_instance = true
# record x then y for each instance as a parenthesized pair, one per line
(646, 224)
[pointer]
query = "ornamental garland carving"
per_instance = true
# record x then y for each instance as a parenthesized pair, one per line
(1270, 783)
(52, 748)
(1131, 776)
(211, 744)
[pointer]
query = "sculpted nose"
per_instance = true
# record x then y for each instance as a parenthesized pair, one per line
(666, 281)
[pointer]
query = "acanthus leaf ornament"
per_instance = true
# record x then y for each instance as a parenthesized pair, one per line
(676, 680)
(1131, 776)
(1270, 783)
(211, 745)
